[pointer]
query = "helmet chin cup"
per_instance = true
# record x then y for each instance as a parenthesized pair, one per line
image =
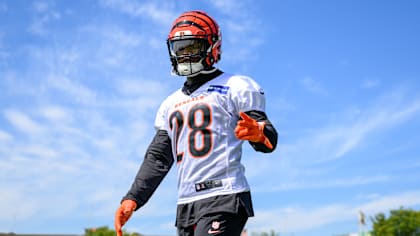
(188, 69)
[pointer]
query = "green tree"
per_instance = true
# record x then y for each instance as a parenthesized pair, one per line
(105, 231)
(401, 222)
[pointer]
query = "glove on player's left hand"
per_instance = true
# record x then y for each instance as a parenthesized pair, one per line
(250, 129)
(122, 215)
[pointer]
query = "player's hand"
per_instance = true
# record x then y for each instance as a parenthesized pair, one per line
(250, 129)
(123, 213)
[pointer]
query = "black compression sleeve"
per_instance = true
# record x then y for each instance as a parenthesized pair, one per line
(269, 131)
(156, 164)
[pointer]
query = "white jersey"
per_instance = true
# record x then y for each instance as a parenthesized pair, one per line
(201, 127)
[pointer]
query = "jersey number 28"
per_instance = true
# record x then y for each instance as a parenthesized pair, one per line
(198, 121)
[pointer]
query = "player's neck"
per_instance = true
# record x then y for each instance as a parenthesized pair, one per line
(202, 73)
(194, 82)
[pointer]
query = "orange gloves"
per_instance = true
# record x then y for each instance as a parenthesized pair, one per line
(250, 129)
(122, 215)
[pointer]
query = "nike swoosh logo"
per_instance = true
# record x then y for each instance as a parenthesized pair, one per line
(214, 231)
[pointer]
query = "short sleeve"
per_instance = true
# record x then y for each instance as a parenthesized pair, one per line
(160, 120)
(246, 94)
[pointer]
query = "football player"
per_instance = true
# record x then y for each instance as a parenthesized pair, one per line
(201, 128)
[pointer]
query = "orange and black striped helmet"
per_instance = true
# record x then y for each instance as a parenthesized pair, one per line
(194, 43)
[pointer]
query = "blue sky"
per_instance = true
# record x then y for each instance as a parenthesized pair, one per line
(81, 81)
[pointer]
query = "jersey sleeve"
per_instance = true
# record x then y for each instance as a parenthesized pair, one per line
(160, 119)
(247, 95)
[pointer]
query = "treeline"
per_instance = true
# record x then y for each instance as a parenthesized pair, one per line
(399, 222)
(105, 231)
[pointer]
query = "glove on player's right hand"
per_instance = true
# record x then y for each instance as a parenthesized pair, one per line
(123, 214)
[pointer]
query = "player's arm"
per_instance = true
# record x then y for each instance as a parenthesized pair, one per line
(156, 164)
(255, 127)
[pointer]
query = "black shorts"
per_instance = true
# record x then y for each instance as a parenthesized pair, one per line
(217, 224)
(220, 215)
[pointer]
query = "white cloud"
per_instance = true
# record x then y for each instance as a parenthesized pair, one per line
(44, 14)
(65, 180)
(23, 122)
(240, 34)
(5, 136)
(226, 6)
(16, 205)
(307, 184)
(313, 86)
(136, 86)
(335, 140)
(40, 6)
(383, 117)
(73, 89)
(385, 203)
(38, 151)
(126, 39)
(370, 83)
(122, 49)
(232, 7)
(56, 114)
(160, 12)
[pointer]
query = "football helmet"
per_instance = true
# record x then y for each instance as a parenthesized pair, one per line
(194, 43)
